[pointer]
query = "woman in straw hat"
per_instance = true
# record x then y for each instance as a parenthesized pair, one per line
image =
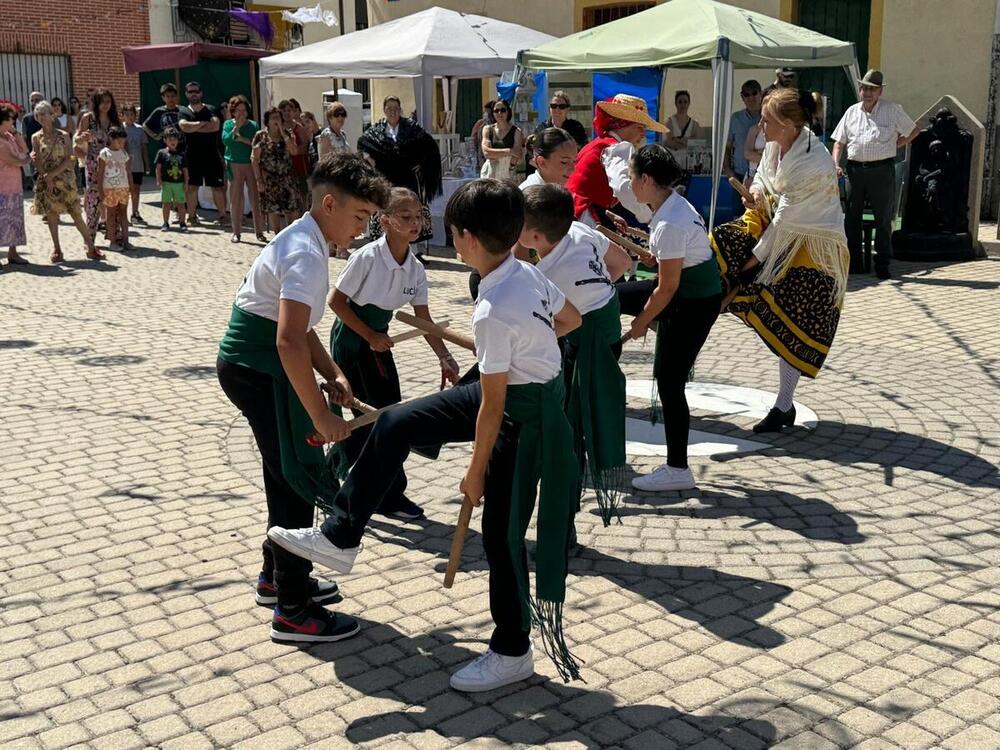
(601, 179)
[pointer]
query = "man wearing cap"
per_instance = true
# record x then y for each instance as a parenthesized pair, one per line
(739, 125)
(872, 131)
(600, 179)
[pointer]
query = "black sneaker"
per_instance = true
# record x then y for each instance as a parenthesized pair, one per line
(320, 592)
(312, 624)
(182, 226)
(403, 508)
(883, 273)
(164, 227)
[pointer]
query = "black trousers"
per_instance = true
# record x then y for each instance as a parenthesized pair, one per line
(374, 380)
(683, 328)
(251, 392)
(445, 417)
(877, 185)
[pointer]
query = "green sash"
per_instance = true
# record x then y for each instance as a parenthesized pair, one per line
(596, 404)
(345, 344)
(544, 452)
(702, 280)
(344, 340)
(250, 342)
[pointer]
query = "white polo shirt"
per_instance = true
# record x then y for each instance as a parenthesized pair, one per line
(513, 324)
(373, 277)
(871, 136)
(576, 266)
(678, 231)
(294, 265)
(535, 178)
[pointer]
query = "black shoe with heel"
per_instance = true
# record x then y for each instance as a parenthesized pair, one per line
(776, 420)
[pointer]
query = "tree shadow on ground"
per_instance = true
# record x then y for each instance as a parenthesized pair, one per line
(851, 444)
(727, 605)
(191, 372)
(17, 344)
(809, 517)
(537, 711)
(111, 360)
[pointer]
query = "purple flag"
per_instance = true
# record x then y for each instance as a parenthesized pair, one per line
(259, 21)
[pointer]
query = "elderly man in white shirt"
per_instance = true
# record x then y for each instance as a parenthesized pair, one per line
(872, 131)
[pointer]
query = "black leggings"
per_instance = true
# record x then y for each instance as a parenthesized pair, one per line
(683, 327)
(445, 417)
(252, 393)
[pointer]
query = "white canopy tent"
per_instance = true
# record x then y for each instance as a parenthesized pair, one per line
(696, 33)
(432, 43)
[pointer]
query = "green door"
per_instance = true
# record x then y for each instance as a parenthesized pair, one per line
(848, 20)
(469, 106)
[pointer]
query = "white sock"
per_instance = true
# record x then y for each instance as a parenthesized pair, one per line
(789, 378)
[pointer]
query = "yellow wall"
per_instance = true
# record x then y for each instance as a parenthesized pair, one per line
(935, 49)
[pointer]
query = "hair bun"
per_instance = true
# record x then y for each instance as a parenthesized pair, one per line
(808, 103)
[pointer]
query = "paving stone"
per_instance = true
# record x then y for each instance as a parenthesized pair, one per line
(836, 589)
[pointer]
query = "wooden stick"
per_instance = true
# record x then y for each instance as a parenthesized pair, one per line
(644, 255)
(435, 330)
(416, 333)
(632, 231)
(316, 440)
(458, 541)
(355, 403)
(740, 188)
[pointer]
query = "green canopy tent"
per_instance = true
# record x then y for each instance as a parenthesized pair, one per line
(696, 34)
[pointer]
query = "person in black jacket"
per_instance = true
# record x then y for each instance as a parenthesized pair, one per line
(559, 106)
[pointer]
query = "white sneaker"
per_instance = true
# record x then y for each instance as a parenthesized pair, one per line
(493, 670)
(665, 478)
(313, 545)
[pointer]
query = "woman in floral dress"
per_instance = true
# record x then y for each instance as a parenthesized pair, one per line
(92, 134)
(55, 181)
(13, 156)
(277, 180)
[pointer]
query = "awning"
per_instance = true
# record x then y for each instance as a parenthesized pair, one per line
(167, 56)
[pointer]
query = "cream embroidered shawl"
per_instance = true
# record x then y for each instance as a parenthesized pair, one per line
(808, 212)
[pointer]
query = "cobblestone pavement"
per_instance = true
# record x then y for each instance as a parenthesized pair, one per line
(838, 589)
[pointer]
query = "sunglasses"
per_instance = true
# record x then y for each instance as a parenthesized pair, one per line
(557, 105)
(338, 114)
(500, 109)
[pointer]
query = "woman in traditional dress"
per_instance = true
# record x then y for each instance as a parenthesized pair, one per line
(277, 181)
(13, 156)
(600, 179)
(92, 135)
(406, 155)
(785, 273)
(55, 181)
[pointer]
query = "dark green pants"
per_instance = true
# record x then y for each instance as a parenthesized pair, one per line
(876, 186)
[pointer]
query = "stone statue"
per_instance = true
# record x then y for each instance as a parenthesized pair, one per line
(935, 220)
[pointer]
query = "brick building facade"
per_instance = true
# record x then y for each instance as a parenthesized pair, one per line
(89, 34)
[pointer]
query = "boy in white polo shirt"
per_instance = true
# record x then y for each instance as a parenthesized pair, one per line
(266, 367)
(515, 415)
(584, 265)
(381, 277)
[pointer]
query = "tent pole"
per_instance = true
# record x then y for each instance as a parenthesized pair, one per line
(722, 105)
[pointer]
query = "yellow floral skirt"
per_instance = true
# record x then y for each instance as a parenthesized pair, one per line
(797, 314)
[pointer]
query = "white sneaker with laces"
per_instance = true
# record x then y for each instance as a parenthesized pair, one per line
(665, 478)
(493, 670)
(313, 545)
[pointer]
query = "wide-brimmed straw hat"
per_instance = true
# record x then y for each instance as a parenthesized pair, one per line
(873, 78)
(631, 109)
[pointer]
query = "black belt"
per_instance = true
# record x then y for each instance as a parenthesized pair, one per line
(870, 164)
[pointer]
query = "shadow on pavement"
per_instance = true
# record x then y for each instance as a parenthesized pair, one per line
(727, 605)
(535, 712)
(850, 444)
(809, 517)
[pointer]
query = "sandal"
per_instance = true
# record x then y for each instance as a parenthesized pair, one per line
(56, 256)
(234, 239)
(95, 254)
(17, 260)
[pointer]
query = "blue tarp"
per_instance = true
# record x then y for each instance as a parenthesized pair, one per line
(641, 82)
